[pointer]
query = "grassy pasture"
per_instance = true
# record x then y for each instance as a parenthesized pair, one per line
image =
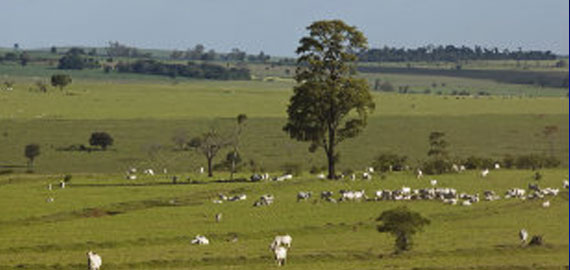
(141, 116)
(147, 224)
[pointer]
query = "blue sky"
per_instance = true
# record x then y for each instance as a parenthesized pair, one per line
(276, 26)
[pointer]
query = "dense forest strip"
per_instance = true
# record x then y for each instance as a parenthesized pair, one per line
(543, 79)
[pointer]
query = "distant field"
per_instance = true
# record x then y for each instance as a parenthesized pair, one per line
(148, 224)
(142, 116)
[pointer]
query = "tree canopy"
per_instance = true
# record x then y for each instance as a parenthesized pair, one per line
(329, 104)
(403, 224)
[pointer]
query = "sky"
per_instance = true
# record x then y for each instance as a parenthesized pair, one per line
(276, 26)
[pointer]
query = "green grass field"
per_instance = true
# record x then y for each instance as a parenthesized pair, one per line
(141, 116)
(148, 224)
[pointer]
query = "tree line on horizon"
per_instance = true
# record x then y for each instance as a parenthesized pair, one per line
(450, 53)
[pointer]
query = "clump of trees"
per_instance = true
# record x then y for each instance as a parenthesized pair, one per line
(388, 161)
(450, 53)
(199, 53)
(101, 139)
(190, 70)
(116, 49)
(403, 224)
(329, 104)
(76, 58)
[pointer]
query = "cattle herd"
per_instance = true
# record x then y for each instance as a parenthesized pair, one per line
(446, 195)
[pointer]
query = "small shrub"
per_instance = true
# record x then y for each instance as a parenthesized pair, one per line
(386, 87)
(67, 178)
(295, 169)
(508, 161)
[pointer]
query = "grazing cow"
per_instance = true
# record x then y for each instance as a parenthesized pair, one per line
(62, 184)
(353, 177)
(466, 203)
(565, 184)
(462, 168)
(321, 176)
(546, 204)
(370, 169)
(284, 177)
(218, 217)
(433, 182)
(455, 168)
(200, 240)
(523, 235)
(218, 201)
(149, 172)
(450, 201)
(132, 170)
(497, 166)
(533, 187)
(256, 177)
(131, 177)
(281, 240)
(49, 200)
(326, 194)
(49, 187)
(366, 176)
(280, 255)
(302, 195)
(419, 174)
(93, 261)
(266, 199)
(484, 173)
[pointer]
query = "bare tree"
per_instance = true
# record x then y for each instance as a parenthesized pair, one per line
(209, 144)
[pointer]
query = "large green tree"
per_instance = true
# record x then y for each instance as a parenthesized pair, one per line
(329, 104)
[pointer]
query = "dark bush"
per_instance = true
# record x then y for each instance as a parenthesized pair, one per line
(474, 162)
(295, 169)
(383, 162)
(102, 139)
(536, 161)
(386, 87)
(508, 161)
(436, 166)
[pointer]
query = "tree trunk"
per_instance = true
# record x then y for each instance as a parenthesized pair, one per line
(330, 154)
(210, 167)
(31, 164)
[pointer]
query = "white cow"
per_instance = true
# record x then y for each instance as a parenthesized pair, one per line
(546, 204)
(523, 235)
(565, 184)
(484, 173)
(201, 170)
(149, 171)
(433, 182)
(131, 177)
(93, 261)
(419, 174)
(62, 184)
(497, 166)
(281, 240)
(200, 240)
(280, 255)
(321, 176)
